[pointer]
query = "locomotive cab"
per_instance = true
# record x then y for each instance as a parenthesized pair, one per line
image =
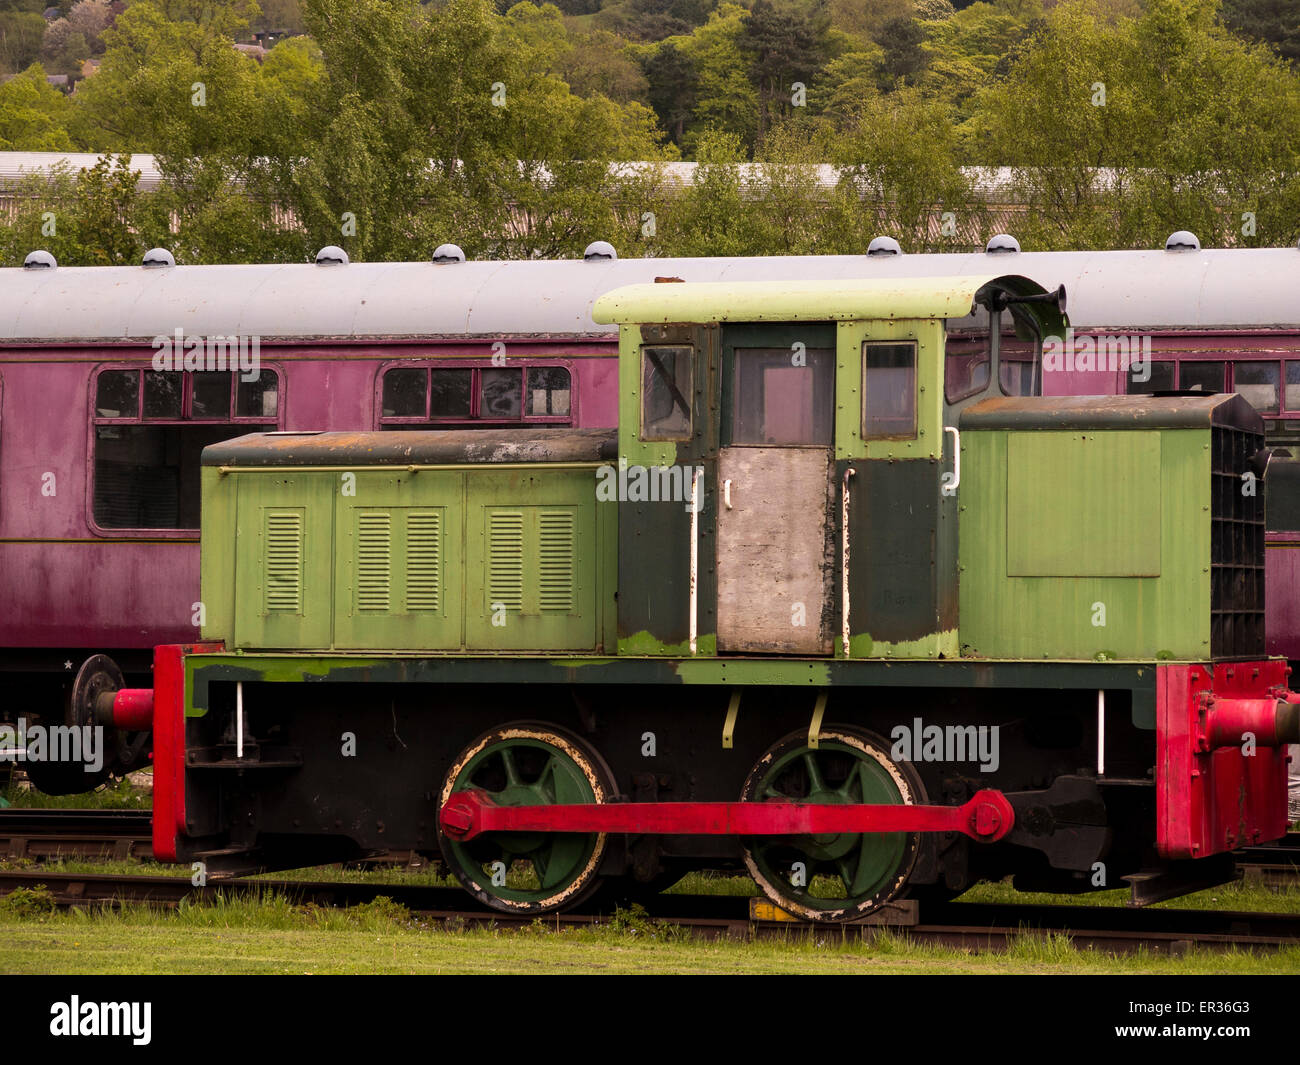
(817, 425)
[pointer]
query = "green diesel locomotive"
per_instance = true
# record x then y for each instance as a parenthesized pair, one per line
(840, 603)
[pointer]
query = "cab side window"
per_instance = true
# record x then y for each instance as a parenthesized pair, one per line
(889, 390)
(667, 381)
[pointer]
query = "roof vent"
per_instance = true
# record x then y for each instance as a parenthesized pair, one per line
(1002, 244)
(884, 246)
(598, 251)
(332, 255)
(39, 260)
(448, 253)
(156, 258)
(1182, 241)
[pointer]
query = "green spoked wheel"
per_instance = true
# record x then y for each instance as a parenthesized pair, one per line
(836, 876)
(528, 764)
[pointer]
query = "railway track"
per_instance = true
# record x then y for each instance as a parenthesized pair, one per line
(41, 835)
(44, 835)
(972, 926)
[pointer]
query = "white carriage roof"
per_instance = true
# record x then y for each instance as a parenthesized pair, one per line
(1229, 289)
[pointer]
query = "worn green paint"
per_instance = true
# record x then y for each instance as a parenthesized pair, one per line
(937, 645)
(792, 301)
(645, 643)
(1010, 616)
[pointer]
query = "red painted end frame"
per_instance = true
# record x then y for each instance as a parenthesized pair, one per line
(1211, 795)
(987, 817)
(169, 744)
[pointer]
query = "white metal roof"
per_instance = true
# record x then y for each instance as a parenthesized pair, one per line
(1230, 289)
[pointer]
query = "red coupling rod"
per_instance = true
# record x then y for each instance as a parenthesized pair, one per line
(987, 817)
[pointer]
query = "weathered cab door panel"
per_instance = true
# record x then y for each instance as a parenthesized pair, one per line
(775, 534)
(774, 558)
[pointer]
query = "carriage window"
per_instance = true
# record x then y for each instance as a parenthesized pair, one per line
(441, 397)
(966, 365)
(1292, 395)
(1201, 376)
(1259, 383)
(775, 402)
(548, 390)
(405, 393)
(500, 393)
(1160, 379)
(666, 389)
(889, 390)
(150, 429)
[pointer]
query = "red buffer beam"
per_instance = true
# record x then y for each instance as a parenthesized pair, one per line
(987, 817)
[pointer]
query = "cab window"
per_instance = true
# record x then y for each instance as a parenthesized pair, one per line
(889, 390)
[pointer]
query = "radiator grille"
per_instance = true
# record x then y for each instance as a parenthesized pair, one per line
(555, 560)
(1237, 547)
(374, 561)
(283, 584)
(506, 559)
(424, 561)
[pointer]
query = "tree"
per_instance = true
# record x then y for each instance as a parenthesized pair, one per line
(1122, 131)
(84, 219)
(33, 114)
(785, 47)
(672, 87)
(900, 176)
(21, 34)
(903, 59)
(598, 64)
(728, 102)
(1272, 22)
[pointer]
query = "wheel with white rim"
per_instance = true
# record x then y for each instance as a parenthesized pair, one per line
(528, 763)
(835, 876)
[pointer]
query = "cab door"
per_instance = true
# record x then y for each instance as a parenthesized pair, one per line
(775, 549)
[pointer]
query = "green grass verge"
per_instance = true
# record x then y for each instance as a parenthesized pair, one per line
(273, 935)
(114, 795)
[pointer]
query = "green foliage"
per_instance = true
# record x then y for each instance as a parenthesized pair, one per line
(21, 33)
(1272, 22)
(1198, 130)
(728, 101)
(34, 116)
(787, 45)
(33, 903)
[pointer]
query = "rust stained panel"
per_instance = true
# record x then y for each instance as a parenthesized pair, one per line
(774, 558)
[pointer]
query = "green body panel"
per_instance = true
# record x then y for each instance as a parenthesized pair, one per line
(1063, 557)
(284, 546)
(507, 558)
(399, 566)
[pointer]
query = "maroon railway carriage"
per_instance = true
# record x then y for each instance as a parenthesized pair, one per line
(99, 453)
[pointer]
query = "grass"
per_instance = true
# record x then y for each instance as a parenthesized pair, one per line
(128, 793)
(273, 935)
